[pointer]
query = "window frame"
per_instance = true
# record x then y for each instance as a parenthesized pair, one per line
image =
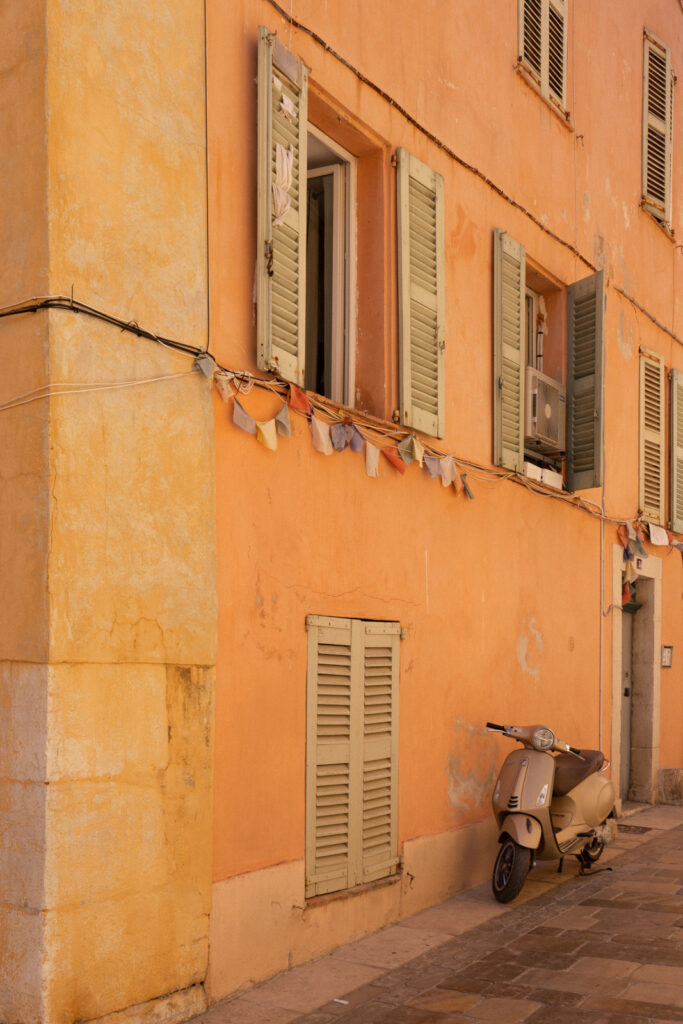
(540, 78)
(663, 127)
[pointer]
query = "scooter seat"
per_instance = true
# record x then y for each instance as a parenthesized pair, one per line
(570, 770)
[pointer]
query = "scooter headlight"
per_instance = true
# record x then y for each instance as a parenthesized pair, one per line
(543, 738)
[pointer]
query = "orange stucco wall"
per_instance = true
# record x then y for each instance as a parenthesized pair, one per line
(502, 597)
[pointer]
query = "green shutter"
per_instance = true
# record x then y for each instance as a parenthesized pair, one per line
(657, 128)
(421, 294)
(509, 274)
(352, 752)
(677, 451)
(281, 242)
(652, 438)
(585, 357)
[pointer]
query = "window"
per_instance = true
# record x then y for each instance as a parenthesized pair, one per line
(651, 438)
(330, 268)
(351, 759)
(543, 46)
(556, 411)
(677, 451)
(658, 99)
(307, 256)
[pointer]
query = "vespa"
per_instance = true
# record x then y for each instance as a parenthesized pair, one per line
(549, 800)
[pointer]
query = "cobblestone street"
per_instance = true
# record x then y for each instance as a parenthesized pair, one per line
(602, 949)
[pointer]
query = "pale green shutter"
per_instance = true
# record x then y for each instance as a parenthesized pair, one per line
(509, 274)
(657, 128)
(652, 438)
(421, 294)
(281, 244)
(331, 735)
(352, 752)
(677, 451)
(585, 356)
(380, 749)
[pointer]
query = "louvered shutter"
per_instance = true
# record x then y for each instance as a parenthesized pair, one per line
(332, 735)
(281, 243)
(380, 749)
(509, 286)
(677, 451)
(351, 759)
(543, 44)
(585, 357)
(657, 128)
(652, 438)
(421, 294)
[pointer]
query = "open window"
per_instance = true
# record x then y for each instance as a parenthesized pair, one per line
(548, 359)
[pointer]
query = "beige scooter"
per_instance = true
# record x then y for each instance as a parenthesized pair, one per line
(548, 806)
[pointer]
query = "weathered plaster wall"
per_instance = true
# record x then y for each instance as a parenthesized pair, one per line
(107, 533)
(502, 598)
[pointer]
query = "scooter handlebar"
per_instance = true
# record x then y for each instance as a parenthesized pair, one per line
(498, 728)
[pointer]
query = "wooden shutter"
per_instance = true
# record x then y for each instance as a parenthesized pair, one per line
(543, 44)
(421, 294)
(351, 763)
(281, 247)
(379, 842)
(657, 128)
(652, 437)
(509, 286)
(677, 451)
(585, 357)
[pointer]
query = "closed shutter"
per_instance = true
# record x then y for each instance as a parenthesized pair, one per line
(657, 128)
(652, 438)
(281, 242)
(677, 451)
(380, 749)
(509, 274)
(351, 762)
(421, 294)
(585, 357)
(543, 45)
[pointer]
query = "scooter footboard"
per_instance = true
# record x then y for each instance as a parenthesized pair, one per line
(525, 831)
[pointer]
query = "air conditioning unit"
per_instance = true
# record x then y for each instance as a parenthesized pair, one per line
(545, 418)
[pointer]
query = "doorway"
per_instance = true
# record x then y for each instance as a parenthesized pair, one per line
(636, 639)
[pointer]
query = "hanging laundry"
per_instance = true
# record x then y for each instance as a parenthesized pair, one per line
(266, 434)
(418, 451)
(284, 160)
(223, 380)
(371, 459)
(448, 471)
(405, 449)
(356, 439)
(392, 456)
(635, 542)
(622, 534)
(282, 421)
(320, 433)
(658, 535)
(298, 399)
(242, 419)
(468, 492)
(433, 465)
(338, 436)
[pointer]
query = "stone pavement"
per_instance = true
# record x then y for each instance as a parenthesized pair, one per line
(602, 949)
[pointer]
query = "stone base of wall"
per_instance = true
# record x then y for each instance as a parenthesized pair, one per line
(172, 1009)
(670, 786)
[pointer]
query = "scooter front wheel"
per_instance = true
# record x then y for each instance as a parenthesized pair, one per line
(510, 870)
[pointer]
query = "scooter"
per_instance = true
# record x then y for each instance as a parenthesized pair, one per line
(550, 800)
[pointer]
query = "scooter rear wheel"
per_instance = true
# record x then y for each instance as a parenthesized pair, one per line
(510, 870)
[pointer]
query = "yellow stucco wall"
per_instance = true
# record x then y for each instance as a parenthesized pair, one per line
(107, 640)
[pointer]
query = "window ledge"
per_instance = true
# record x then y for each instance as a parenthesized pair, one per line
(662, 225)
(563, 116)
(357, 890)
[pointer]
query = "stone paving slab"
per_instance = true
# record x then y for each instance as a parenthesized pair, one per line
(606, 948)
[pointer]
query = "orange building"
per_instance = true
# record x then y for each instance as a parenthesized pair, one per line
(431, 263)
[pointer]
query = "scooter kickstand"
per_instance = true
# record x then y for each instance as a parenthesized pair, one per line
(560, 866)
